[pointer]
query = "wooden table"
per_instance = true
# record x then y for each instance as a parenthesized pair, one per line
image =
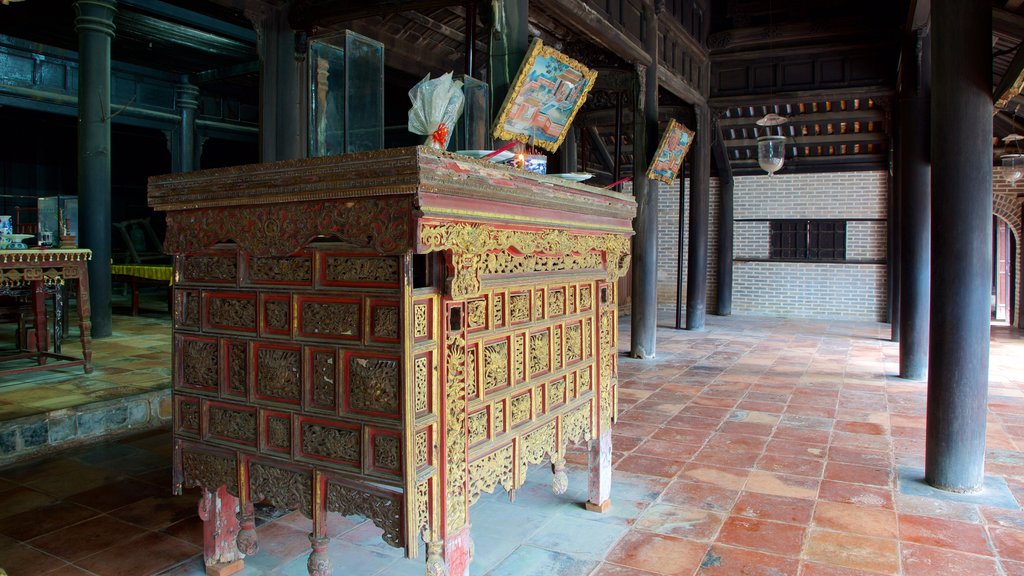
(42, 272)
(135, 274)
(388, 334)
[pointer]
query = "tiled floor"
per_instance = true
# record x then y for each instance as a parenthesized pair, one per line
(754, 447)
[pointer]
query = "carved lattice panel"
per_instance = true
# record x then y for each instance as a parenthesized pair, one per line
(385, 321)
(229, 312)
(385, 451)
(359, 270)
(372, 384)
(479, 423)
(497, 374)
(423, 319)
(277, 432)
(473, 371)
(186, 415)
(235, 379)
(330, 441)
(519, 307)
(424, 373)
(211, 268)
(280, 271)
(229, 423)
(330, 318)
(275, 315)
(477, 314)
(322, 383)
(198, 363)
(187, 305)
(278, 376)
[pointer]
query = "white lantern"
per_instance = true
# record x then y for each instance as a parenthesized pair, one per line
(1013, 167)
(771, 153)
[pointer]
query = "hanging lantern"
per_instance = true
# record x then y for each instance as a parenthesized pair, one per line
(771, 153)
(1013, 167)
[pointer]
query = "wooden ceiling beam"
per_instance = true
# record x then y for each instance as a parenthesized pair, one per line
(681, 88)
(404, 55)
(307, 14)
(583, 19)
(864, 92)
(863, 138)
(442, 29)
(863, 115)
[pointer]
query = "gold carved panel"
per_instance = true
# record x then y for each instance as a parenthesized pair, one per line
(519, 357)
(556, 303)
(556, 393)
(540, 352)
(473, 371)
(455, 445)
(421, 368)
(586, 297)
(499, 417)
(478, 427)
(496, 373)
(278, 373)
(486, 473)
(536, 446)
(519, 307)
(573, 343)
(476, 314)
(556, 348)
(421, 326)
(423, 451)
(522, 408)
(498, 311)
(373, 385)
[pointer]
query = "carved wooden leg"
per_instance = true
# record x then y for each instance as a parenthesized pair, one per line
(220, 528)
(600, 473)
(39, 310)
(248, 542)
(560, 481)
(85, 317)
(319, 563)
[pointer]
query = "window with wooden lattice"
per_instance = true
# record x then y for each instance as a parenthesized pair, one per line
(817, 240)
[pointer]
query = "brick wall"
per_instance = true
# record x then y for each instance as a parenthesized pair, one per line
(856, 289)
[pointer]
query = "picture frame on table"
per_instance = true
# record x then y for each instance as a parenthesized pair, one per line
(548, 91)
(674, 145)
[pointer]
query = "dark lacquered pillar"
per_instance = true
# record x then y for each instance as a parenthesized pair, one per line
(915, 206)
(187, 102)
(725, 223)
(94, 23)
(697, 249)
(893, 234)
(961, 151)
(644, 311)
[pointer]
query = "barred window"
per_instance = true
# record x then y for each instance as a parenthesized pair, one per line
(808, 240)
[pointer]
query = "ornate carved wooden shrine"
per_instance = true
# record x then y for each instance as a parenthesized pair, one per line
(390, 334)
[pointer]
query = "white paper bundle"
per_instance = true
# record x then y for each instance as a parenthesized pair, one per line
(436, 106)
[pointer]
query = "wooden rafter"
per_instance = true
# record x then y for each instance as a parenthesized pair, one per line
(306, 14)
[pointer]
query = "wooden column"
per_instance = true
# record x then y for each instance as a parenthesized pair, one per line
(283, 93)
(725, 222)
(915, 206)
(187, 102)
(94, 23)
(644, 316)
(893, 259)
(510, 38)
(961, 150)
(697, 256)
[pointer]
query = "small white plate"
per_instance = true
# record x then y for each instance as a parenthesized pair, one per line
(478, 154)
(575, 176)
(20, 237)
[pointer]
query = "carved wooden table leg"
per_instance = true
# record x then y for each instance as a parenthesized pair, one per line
(220, 528)
(39, 310)
(248, 543)
(85, 316)
(600, 473)
(319, 563)
(560, 481)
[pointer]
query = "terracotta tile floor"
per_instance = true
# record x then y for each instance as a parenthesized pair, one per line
(755, 447)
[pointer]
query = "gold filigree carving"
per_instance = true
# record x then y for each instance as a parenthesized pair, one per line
(607, 367)
(423, 520)
(279, 433)
(237, 313)
(386, 452)
(521, 408)
(468, 242)
(373, 384)
(420, 326)
(210, 268)
(495, 263)
(586, 297)
(537, 445)
(538, 304)
(233, 424)
(421, 384)
(209, 471)
(488, 472)
(576, 425)
(278, 373)
(385, 512)
(361, 269)
(385, 321)
(330, 442)
(422, 454)
(277, 312)
(472, 373)
(455, 447)
(325, 390)
(499, 418)
(277, 270)
(556, 347)
(199, 363)
(518, 356)
(495, 365)
(571, 299)
(477, 427)
(573, 339)
(519, 307)
(556, 393)
(556, 303)
(476, 313)
(584, 380)
(497, 313)
(284, 489)
(540, 352)
(330, 318)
